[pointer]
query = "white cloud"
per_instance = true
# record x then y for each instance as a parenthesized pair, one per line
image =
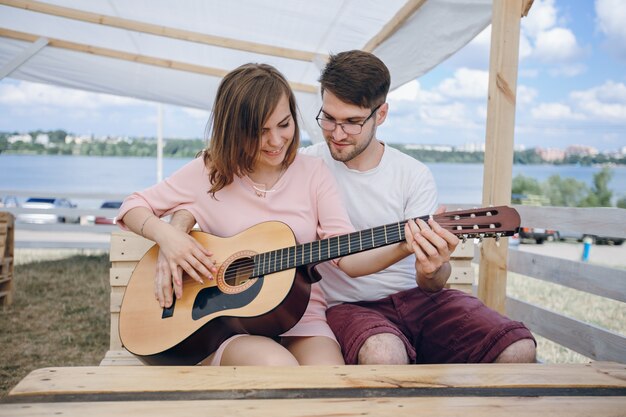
(413, 92)
(606, 102)
(610, 18)
(447, 114)
(525, 95)
(25, 93)
(197, 114)
(467, 83)
(542, 16)
(554, 111)
(567, 70)
(557, 45)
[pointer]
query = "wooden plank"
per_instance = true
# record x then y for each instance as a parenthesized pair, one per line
(160, 379)
(586, 339)
(462, 275)
(158, 30)
(115, 343)
(603, 221)
(127, 246)
(142, 59)
(117, 294)
(578, 275)
(401, 407)
(464, 251)
(395, 23)
(120, 357)
(119, 277)
(497, 177)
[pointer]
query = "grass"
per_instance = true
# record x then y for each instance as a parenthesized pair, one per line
(59, 316)
(60, 313)
(603, 312)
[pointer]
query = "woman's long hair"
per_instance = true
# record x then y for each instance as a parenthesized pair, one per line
(245, 99)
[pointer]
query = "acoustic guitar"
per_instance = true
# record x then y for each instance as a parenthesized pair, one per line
(262, 285)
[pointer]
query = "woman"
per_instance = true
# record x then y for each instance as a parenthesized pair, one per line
(250, 173)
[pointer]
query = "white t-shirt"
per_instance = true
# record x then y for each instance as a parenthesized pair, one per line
(399, 188)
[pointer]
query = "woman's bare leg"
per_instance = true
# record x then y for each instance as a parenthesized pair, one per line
(256, 350)
(314, 350)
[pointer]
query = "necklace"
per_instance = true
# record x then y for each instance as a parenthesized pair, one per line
(262, 192)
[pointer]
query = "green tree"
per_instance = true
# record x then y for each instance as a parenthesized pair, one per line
(523, 186)
(621, 203)
(564, 192)
(599, 195)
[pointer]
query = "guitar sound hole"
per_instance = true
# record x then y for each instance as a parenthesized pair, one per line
(239, 272)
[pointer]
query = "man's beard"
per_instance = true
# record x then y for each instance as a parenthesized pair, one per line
(356, 151)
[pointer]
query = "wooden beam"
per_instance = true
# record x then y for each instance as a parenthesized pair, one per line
(22, 57)
(142, 59)
(503, 63)
(168, 32)
(394, 24)
(526, 7)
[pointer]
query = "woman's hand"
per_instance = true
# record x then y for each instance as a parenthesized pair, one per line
(178, 253)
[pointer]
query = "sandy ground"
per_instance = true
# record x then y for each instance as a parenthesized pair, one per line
(605, 255)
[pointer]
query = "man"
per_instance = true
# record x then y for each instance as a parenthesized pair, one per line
(385, 318)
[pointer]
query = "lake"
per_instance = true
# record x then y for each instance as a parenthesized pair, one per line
(458, 183)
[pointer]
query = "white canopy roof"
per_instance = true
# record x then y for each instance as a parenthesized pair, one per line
(176, 51)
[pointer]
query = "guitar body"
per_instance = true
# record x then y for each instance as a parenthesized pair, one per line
(208, 314)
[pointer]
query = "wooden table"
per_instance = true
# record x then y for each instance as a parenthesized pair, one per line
(468, 390)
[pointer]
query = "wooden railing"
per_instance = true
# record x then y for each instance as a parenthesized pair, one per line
(586, 339)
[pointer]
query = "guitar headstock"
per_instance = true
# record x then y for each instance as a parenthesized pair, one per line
(482, 222)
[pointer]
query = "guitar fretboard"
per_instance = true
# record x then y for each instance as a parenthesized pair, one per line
(328, 249)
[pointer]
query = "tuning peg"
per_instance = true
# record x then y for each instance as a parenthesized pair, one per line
(457, 217)
(488, 213)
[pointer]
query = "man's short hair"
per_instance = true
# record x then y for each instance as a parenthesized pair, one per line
(356, 77)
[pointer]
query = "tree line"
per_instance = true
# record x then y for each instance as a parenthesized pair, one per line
(565, 192)
(188, 148)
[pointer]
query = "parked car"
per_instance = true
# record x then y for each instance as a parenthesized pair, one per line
(598, 240)
(47, 203)
(9, 201)
(537, 234)
(108, 205)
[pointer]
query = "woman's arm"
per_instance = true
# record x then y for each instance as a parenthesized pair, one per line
(181, 251)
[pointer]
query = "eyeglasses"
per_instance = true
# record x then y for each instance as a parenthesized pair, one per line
(348, 128)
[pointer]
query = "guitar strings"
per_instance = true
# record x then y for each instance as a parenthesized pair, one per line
(343, 246)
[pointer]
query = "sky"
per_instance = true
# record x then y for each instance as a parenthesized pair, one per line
(571, 90)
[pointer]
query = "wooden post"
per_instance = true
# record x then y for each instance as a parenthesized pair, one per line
(503, 62)
(7, 287)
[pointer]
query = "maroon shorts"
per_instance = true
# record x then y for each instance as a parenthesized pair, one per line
(447, 326)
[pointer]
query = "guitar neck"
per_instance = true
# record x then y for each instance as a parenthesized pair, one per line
(328, 249)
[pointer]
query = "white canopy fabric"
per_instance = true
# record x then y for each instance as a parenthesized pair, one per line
(176, 51)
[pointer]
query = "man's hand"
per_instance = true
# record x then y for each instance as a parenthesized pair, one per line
(432, 246)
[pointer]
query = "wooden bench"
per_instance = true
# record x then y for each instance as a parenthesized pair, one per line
(471, 390)
(127, 249)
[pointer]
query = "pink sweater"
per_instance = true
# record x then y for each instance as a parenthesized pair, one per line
(306, 198)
